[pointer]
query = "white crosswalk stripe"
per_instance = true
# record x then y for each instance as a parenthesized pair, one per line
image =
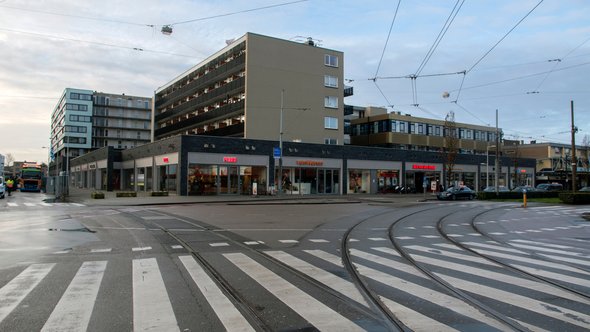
(315, 312)
(74, 309)
(43, 204)
(18, 288)
(229, 316)
(152, 310)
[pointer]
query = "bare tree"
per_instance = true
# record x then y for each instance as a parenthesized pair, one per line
(451, 146)
(9, 162)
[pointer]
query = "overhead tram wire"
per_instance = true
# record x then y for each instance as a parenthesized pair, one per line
(440, 36)
(374, 79)
(387, 40)
(46, 36)
(494, 46)
(237, 12)
(558, 62)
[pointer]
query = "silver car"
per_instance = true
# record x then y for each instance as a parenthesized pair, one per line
(2, 187)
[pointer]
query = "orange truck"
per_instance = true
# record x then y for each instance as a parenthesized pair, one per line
(31, 177)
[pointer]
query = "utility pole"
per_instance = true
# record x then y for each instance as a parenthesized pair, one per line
(574, 161)
(497, 172)
(280, 175)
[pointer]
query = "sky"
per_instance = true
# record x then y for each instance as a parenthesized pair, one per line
(528, 59)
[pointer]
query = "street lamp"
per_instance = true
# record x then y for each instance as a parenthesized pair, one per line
(488, 164)
(280, 180)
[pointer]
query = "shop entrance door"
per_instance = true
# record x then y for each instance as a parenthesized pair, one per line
(228, 179)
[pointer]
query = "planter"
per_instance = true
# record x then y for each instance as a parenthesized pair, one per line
(97, 195)
(159, 193)
(126, 194)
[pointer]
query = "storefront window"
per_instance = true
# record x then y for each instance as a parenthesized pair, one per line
(388, 180)
(167, 174)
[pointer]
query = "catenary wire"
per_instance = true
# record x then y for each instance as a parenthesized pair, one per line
(558, 62)
(47, 36)
(440, 36)
(387, 40)
(237, 12)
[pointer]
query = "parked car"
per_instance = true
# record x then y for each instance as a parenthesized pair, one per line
(529, 189)
(492, 189)
(550, 187)
(2, 187)
(585, 189)
(455, 193)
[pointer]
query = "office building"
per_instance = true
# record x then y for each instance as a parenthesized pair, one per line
(84, 120)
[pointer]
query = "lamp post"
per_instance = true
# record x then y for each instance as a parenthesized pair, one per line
(281, 145)
(488, 164)
(280, 180)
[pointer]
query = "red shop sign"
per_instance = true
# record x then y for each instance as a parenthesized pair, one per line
(165, 159)
(232, 160)
(428, 167)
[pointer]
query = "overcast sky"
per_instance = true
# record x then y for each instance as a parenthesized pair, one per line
(530, 76)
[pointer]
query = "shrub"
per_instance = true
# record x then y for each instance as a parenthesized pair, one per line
(574, 198)
(159, 193)
(97, 195)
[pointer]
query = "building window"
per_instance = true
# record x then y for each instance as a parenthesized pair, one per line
(331, 60)
(420, 128)
(331, 102)
(331, 81)
(330, 141)
(330, 122)
(437, 130)
(412, 128)
(402, 127)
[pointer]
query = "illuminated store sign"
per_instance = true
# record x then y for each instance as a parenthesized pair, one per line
(232, 160)
(310, 163)
(166, 160)
(428, 167)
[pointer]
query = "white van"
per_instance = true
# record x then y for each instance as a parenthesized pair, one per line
(2, 187)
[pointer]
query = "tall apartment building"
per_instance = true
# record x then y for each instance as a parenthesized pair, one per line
(242, 90)
(376, 127)
(84, 120)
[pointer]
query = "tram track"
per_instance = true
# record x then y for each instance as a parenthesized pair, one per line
(249, 309)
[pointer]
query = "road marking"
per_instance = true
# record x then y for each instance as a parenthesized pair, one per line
(558, 246)
(18, 288)
(63, 251)
(158, 217)
(152, 310)
(46, 204)
(497, 233)
(319, 241)
(77, 204)
(541, 249)
(315, 312)
(377, 239)
(227, 313)
(288, 241)
(176, 246)
(404, 237)
(12, 204)
(333, 281)
(415, 289)
(101, 250)
(430, 236)
(141, 248)
(219, 244)
(73, 311)
(29, 204)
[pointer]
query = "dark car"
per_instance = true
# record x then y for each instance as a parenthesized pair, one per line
(550, 187)
(492, 189)
(520, 189)
(454, 193)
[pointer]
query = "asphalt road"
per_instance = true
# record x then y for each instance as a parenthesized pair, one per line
(348, 264)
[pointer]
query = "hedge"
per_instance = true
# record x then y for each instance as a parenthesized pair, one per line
(574, 198)
(126, 194)
(515, 195)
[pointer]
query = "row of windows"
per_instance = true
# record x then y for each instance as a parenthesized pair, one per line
(80, 96)
(80, 118)
(74, 140)
(76, 129)
(396, 126)
(77, 107)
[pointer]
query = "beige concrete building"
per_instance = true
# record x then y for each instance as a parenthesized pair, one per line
(376, 127)
(241, 91)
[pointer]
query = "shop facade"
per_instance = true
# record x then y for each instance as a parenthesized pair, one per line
(203, 165)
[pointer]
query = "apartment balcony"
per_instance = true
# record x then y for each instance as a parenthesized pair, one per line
(212, 77)
(225, 111)
(218, 94)
(348, 91)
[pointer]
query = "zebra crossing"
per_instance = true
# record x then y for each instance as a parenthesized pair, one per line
(404, 290)
(43, 204)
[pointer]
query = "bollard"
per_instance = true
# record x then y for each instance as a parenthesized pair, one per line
(524, 198)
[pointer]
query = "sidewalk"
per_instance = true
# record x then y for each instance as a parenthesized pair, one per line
(83, 196)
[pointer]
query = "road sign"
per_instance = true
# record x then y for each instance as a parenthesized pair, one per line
(276, 152)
